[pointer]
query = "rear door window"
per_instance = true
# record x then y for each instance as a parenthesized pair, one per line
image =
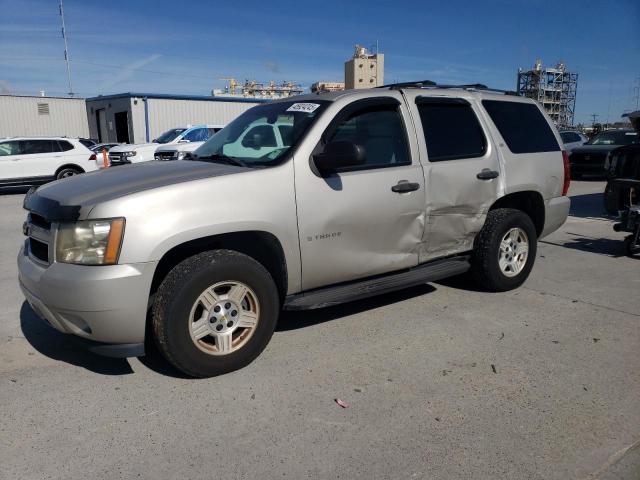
(451, 129)
(33, 147)
(522, 125)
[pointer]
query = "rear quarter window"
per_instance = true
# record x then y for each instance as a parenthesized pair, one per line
(522, 125)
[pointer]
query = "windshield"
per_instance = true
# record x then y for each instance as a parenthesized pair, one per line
(614, 138)
(169, 135)
(262, 135)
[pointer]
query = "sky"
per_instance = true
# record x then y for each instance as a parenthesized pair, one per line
(158, 46)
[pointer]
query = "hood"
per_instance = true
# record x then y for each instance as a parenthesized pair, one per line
(594, 148)
(66, 199)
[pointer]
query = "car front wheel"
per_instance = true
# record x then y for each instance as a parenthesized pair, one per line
(215, 312)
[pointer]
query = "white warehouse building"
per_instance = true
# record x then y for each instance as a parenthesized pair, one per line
(124, 117)
(141, 117)
(31, 116)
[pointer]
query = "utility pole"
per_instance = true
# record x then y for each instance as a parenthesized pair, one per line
(593, 118)
(636, 91)
(66, 51)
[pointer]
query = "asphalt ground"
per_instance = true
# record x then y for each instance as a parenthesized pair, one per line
(442, 381)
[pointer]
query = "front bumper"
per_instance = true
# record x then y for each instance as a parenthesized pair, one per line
(106, 304)
(556, 213)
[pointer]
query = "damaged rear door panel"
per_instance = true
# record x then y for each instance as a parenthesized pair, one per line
(462, 171)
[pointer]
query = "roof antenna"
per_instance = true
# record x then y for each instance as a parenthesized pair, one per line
(66, 50)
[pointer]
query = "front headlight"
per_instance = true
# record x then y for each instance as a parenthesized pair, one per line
(182, 155)
(129, 154)
(90, 242)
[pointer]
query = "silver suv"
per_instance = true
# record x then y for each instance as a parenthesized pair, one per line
(331, 198)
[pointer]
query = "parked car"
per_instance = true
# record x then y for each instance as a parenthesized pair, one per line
(28, 161)
(97, 148)
(180, 151)
(143, 152)
(370, 191)
(592, 156)
(572, 139)
(624, 163)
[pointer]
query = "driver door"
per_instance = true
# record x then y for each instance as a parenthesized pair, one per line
(356, 222)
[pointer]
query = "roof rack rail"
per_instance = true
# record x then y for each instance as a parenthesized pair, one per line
(417, 84)
(478, 86)
(431, 84)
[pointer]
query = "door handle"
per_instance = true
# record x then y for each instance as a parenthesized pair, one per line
(487, 174)
(405, 186)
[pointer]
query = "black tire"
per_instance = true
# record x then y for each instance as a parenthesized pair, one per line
(67, 172)
(630, 248)
(484, 265)
(182, 287)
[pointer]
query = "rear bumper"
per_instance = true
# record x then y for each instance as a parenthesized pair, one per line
(106, 304)
(556, 213)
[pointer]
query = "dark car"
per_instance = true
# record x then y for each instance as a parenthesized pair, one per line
(591, 157)
(624, 162)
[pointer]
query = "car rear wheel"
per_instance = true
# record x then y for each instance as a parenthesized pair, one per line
(505, 250)
(67, 172)
(215, 312)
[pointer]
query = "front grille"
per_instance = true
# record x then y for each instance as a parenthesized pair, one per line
(39, 249)
(166, 155)
(39, 221)
(38, 229)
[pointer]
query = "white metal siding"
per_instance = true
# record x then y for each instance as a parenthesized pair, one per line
(26, 116)
(165, 114)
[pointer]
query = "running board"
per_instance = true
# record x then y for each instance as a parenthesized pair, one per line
(347, 292)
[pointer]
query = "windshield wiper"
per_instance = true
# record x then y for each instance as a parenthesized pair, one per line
(219, 157)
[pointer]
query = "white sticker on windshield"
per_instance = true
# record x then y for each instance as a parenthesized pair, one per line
(303, 107)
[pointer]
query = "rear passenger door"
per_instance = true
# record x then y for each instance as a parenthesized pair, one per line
(462, 172)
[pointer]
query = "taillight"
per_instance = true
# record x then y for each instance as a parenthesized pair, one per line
(567, 173)
(93, 157)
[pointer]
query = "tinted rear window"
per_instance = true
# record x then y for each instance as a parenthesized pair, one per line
(451, 129)
(32, 147)
(64, 146)
(522, 126)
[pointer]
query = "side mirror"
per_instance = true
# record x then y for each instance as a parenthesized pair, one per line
(339, 154)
